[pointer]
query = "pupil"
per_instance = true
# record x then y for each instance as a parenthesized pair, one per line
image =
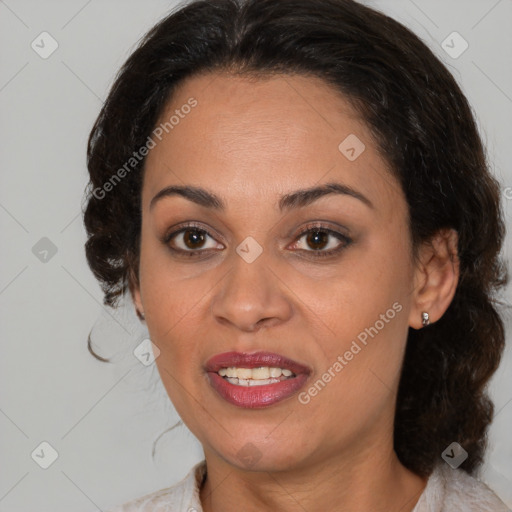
(317, 239)
(194, 238)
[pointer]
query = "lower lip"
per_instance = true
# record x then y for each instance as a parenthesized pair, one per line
(254, 397)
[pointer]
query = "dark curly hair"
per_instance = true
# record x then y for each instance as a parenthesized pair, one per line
(425, 130)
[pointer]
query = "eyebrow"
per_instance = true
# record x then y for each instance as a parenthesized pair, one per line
(296, 199)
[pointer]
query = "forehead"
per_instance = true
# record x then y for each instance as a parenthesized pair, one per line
(257, 137)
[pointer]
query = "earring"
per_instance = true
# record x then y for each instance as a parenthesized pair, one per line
(140, 315)
(424, 319)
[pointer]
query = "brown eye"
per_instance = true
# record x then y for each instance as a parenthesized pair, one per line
(320, 241)
(317, 239)
(193, 238)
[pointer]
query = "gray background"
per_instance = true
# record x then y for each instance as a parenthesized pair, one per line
(102, 418)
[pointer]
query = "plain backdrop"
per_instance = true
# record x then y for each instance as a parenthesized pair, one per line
(101, 420)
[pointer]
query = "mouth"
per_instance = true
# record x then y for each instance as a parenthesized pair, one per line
(255, 380)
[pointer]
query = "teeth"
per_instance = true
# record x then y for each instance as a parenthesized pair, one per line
(275, 372)
(260, 373)
(263, 373)
(244, 373)
(250, 382)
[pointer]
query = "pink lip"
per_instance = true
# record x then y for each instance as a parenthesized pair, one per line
(255, 396)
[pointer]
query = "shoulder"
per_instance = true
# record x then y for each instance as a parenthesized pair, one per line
(183, 496)
(454, 490)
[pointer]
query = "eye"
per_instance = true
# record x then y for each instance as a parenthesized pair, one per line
(321, 241)
(191, 239)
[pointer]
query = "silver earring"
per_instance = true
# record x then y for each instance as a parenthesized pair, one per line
(425, 319)
(140, 315)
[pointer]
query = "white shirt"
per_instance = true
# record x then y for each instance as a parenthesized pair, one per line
(447, 490)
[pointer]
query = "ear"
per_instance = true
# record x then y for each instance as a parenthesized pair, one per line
(436, 277)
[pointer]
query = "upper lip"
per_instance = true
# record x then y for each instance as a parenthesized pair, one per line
(254, 360)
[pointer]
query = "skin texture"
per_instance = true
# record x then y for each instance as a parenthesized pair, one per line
(251, 141)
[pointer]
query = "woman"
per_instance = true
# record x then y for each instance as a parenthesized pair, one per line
(296, 196)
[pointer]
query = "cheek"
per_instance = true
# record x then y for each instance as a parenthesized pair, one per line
(176, 309)
(170, 300)
(177, 320)
(170, 293)
(363, 314)
(361, 356)
(370, 279)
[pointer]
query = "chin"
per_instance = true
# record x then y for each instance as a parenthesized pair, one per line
(256, 453)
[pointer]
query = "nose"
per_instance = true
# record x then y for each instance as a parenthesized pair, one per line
(251, 297)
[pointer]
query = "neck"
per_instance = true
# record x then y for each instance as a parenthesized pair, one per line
(367, 480)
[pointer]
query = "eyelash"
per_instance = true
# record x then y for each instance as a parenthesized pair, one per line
(319, 253)
(310, 228)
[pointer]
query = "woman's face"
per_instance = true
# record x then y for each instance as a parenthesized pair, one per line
(261, 263)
